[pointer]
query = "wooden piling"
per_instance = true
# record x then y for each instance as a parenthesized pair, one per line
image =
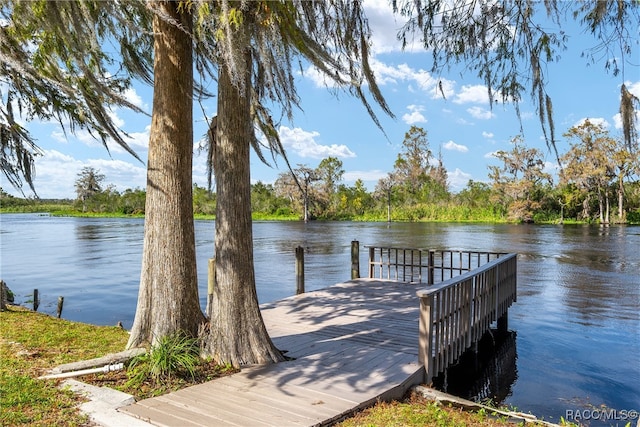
(299, 270)
(36, 300)
(60, 304)
(3, 295)
(355, 259)
(211, 281)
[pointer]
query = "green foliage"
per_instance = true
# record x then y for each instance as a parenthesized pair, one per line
(173, 355)
(633, 217)
(520, 191)
(204, 201)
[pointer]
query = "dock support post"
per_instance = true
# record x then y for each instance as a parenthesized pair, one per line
(60, 304)
(299, 270)
(425, 337)
(211, 280)
(355, 259)
(502, 324)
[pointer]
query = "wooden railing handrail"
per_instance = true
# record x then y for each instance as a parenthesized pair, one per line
(455, 313)
(420, 265)
(425, 292)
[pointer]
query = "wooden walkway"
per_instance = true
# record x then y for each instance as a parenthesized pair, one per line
(353, 343)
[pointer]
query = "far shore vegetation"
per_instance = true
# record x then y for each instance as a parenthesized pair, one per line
(598, 183)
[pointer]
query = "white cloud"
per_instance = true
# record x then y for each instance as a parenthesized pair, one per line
(139, 140)
(617, 119)
(452, 146)
(318, 78)
(415, 115)
(472, 94)
(491, 155)
(303, 144)
(593, 120)
(551, 168)
(117, 121)
(458, 179)
(384, 26)
(132, 96)
(488, 135)
(56, 174)
(403, 73)
(59, 135)
(634, 88)
(480, 113)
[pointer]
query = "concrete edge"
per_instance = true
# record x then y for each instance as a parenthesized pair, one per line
(103, 404)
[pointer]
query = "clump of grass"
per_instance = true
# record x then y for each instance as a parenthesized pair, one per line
(173, 355)
(418, 411)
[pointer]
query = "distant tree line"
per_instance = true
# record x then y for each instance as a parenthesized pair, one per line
(598, 182)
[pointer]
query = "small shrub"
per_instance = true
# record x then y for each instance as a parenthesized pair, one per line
(173, 355)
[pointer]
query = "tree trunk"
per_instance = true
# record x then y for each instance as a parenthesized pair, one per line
(237, 332)
(621, 199)
(585, 208)
(600, 206)
(168, 296)
(305, 199)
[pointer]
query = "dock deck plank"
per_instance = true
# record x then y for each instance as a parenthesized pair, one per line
(352, 343)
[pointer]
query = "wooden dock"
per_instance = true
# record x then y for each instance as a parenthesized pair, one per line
(353, 343)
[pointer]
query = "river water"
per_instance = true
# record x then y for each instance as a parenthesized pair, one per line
(575, 345)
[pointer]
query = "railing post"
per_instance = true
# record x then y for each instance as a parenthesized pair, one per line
(372, 256)
(211, 281)
(431, 268)
(299, 270)
(425, 336)
(355, 259)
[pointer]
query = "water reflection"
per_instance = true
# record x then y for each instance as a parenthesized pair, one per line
(484, 376)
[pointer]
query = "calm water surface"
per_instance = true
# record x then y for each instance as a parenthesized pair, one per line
(576, 323)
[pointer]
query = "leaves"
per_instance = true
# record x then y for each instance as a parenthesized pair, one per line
(508, 43)
(52, 73)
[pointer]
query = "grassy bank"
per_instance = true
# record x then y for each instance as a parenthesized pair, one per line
(31, 343)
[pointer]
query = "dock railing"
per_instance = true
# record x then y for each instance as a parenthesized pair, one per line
(455, 313)
(423, 265)
(466, 292)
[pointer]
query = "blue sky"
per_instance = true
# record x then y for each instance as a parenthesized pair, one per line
(462, 127)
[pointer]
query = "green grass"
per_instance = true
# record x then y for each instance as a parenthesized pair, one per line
(31, 343)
